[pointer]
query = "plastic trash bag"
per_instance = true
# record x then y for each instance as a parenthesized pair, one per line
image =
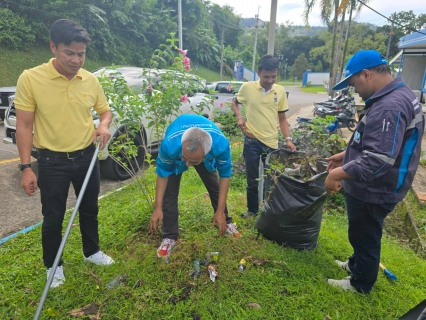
(292, 209)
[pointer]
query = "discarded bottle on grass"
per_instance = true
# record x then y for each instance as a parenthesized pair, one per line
(212, 272)
(212, 256)
(117, 281)
(242, 265)
(197, 268)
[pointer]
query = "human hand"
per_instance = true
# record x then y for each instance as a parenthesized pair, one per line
(332, 184)
(335, 161)
(155, 221)
(242, 124)
(29, 181)
(290, 145)
(104, 135)
(220, 219)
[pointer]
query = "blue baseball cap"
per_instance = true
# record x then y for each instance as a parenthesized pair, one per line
(363, 59)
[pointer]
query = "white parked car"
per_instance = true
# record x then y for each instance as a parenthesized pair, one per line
(109, 167)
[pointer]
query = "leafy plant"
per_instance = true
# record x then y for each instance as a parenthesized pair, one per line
(143, 117)
(313, 138)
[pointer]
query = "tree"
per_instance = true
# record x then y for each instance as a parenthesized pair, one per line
(299, 67)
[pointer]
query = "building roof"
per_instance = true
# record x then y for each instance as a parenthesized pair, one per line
(413, 40)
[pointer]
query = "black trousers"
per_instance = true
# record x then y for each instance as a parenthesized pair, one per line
(365, 234)
(54, 177)
(170, 227)
(252, 152)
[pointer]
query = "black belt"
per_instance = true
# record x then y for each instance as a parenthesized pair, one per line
(45, 153)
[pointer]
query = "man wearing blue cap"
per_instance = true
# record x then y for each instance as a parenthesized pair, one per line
(379, 164)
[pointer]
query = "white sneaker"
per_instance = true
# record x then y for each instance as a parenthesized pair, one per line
(345, 284)
(231, 229)
(344, 265)
(58, 278)
(99, 258)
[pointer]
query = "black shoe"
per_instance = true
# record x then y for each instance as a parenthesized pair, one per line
(248, 214)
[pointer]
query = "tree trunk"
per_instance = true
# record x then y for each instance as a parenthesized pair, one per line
(331, 80)
(339, 48)
(342, 63)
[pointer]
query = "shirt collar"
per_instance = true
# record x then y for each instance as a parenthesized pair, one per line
(259, 86)
(53, 73)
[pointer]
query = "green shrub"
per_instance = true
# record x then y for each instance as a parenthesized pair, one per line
(14, 31)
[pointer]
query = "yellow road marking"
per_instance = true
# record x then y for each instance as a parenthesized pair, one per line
(10, 160)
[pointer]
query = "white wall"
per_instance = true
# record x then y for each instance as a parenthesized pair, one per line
(318, 78)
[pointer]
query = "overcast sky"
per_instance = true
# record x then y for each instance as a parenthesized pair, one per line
(292, 10)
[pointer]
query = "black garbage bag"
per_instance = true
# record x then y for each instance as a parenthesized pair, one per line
(417, 313)
(292, 210)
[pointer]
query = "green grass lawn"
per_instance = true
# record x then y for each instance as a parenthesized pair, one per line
(14, 62)
(313, 89)
(289, 285)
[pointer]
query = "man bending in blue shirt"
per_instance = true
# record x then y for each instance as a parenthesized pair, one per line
(191, 140)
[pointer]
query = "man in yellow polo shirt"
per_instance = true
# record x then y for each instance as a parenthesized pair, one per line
(264, 101)
(55, 100)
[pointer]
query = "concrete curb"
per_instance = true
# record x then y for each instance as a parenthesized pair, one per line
(28, 229)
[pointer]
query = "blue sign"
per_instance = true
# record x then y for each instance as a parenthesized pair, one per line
(238, 70)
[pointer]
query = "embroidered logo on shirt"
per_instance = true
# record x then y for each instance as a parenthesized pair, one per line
(357, 137)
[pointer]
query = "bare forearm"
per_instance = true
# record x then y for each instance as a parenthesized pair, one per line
(235, 107)
(285, 130)
(106, 119)
(24, 140)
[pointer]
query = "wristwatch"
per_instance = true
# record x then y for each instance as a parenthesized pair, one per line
(24, 166)
(288, 138)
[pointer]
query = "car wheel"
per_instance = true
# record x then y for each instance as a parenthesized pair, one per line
(111, 169)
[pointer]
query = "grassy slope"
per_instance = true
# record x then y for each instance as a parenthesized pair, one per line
(295, 287)
(14, 62)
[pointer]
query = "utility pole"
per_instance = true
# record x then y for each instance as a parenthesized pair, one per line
(391, 33)
(253, 65)
(272, 23)
(221, 54)
(180, 23)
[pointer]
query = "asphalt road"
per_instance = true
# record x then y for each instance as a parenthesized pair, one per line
(18, 211)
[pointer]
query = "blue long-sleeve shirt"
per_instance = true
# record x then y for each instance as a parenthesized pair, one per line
(169, 160)
(383, 154)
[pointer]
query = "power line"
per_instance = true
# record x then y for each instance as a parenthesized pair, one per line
(224, 24)
(389, 19)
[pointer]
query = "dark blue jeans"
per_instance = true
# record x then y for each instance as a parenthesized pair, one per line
(253, 150)
(170, 227)
(54, 177)
(365, 234)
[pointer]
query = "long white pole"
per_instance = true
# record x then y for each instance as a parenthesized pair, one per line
(180, 23)
(272, 24)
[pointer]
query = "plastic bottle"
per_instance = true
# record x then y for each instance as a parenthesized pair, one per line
(242, 265)
(197, 268)
(212, 272)
(212, 256)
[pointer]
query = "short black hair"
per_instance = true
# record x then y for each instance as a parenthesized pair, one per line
(381, 68)
(268, 62)
(66, 31)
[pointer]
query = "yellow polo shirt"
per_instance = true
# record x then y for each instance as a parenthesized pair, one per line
(262, 110)
(63, 108)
